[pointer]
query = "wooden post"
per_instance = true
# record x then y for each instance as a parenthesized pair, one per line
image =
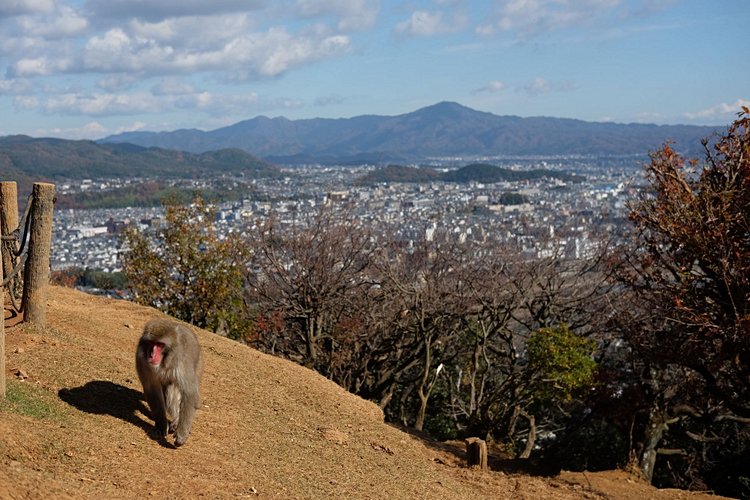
(476, 453)
(8, 216)
(36, 272)
(2, 322)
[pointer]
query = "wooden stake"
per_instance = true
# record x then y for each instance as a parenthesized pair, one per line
(36, 272)
(8, 216)
(476, 453)
(2, 323)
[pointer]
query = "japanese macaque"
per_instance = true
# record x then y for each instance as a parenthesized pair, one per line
(168, 360)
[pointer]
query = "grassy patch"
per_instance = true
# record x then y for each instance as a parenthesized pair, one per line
(29, 400)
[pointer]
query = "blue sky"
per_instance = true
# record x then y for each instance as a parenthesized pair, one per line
(91, 68)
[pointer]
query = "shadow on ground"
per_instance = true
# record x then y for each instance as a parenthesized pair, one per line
(102, 397)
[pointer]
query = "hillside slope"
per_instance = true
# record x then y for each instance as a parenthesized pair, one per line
(76, 427)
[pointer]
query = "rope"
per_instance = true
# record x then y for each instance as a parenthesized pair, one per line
(19, 252)
(16, 270)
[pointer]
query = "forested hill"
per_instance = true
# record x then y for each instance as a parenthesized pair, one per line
(477, 172)
(45, 158)
(443, 129)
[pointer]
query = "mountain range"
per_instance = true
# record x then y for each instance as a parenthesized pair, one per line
(48, 158)
(446, 129)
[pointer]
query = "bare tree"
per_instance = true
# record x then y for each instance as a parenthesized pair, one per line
(426, 283)
(495, 386)
(687, 289)
(312, 274)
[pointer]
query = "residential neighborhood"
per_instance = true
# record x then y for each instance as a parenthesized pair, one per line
(553, 215)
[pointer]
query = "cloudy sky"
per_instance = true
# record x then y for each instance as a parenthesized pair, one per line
(90, 68)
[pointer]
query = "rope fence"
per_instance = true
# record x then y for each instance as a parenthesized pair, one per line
(25, 248)
(15, 251)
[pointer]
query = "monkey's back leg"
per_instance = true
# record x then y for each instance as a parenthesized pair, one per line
(189, 403)
(173, 396)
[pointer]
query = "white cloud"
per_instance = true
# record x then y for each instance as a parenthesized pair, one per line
(541, 86)
(200, 33)
(116, 81)
(10, 8)
(492, 87)
(172, 86)
(426, 23)
(351, 15)
(529, 18)
(117, 51)
(133, 127)
(538, 86)
(89, 130)
(532, 15)
(26, 102)
(103, 104)
(15, 86)
(329, 100)
(275, 52)
(83, 58)
(167, 96)
(262, 54)
(720, 111)
(649, 117)
(63, 22)
(150, 10)
(40, 66)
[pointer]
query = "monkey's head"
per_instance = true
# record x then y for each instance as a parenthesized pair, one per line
(154, 351)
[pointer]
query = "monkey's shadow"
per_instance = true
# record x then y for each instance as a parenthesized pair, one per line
(102, 397)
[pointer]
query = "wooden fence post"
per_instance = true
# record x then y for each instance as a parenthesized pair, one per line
(8, 216)
(36, 272)
(2, 318)
(476, 453)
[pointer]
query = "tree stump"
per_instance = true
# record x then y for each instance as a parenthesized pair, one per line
(476, 453)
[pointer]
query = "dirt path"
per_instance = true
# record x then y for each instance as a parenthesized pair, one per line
(75, 427)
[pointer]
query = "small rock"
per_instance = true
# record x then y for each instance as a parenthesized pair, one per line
(128, 325)
(69, 454)
(18, 350)
(21, 373)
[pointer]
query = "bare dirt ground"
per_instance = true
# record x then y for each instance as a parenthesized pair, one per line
(75, 426)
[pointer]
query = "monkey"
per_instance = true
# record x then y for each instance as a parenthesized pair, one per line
(168, 361)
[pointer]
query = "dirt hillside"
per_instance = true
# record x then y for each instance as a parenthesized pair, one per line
(74, 426)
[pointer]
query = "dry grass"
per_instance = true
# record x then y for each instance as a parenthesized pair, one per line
(77, 427)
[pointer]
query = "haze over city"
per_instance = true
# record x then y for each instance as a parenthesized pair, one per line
(88, 69)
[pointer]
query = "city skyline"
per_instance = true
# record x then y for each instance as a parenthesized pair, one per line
(88, 69)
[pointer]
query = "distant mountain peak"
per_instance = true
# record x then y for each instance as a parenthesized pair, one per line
(445, 108)
(446, 128)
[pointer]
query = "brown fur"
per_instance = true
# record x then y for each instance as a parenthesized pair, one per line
(172, 387)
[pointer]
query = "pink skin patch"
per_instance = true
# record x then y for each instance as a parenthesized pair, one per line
(155, 352)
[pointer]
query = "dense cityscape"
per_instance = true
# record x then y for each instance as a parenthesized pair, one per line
(553, 212)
